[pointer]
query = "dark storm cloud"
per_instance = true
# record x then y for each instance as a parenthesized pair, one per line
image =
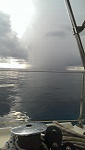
(5, 25)
(10, 44)
(56, 34)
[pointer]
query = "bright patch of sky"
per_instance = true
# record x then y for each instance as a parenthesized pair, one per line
(21, 13)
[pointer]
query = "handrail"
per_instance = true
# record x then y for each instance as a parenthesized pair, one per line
(43, 121)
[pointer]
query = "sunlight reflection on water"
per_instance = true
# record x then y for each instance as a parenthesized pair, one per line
(13, 118)
(7, 85)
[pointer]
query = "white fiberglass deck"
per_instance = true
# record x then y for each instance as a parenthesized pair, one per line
(4, 136)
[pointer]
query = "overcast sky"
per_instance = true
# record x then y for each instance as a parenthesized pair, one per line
(39, 33)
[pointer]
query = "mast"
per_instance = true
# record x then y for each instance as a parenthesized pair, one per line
(76, 31)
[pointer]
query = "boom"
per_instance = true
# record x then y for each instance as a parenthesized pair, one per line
(76, 31)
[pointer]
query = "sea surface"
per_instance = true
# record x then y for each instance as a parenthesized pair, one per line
(40, 95)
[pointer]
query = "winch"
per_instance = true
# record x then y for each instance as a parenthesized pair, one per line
(37, 136)
(29, 136)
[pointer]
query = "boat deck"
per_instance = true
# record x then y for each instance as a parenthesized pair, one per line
(4, 135)
(5, 132)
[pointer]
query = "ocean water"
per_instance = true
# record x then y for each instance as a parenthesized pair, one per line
(40, 95)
